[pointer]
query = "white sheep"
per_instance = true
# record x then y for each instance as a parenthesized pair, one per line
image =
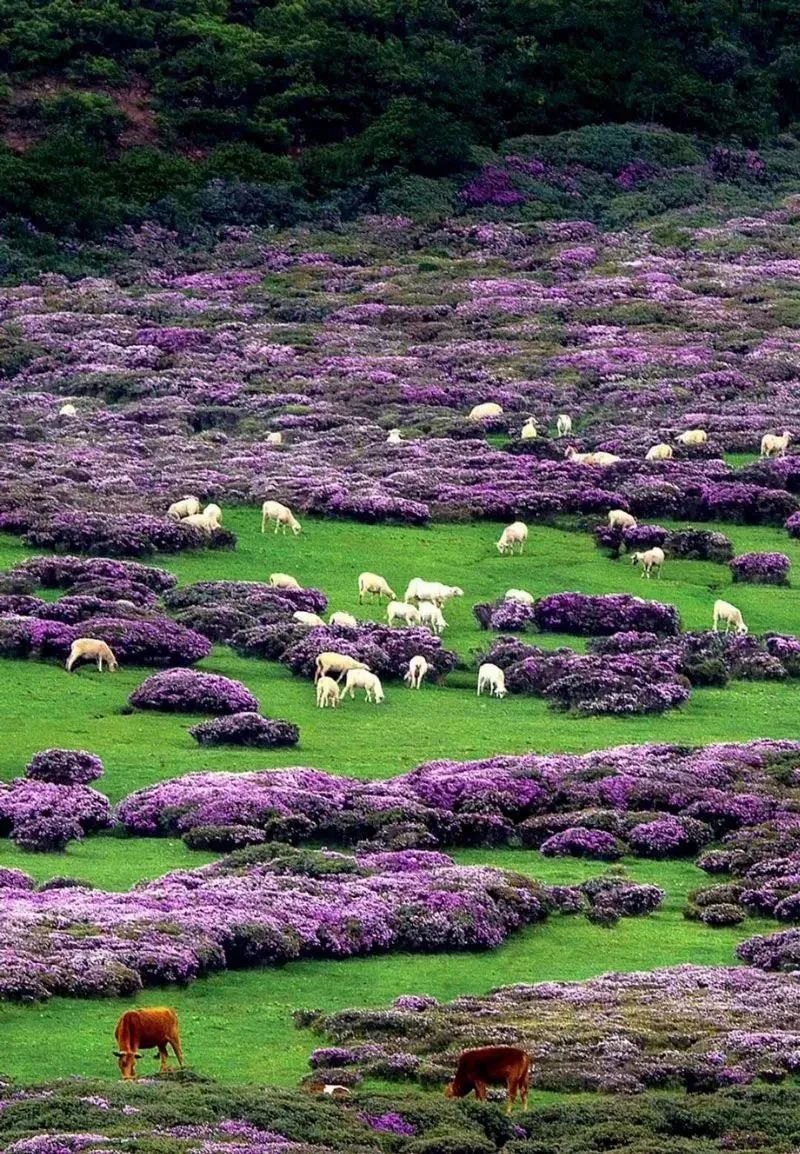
(363, 679)
(328, 693)
(402, 611)
(304, 618)
(513, 534)
(518, 595)
(619, 519)
(435, 591)
(576, 458)
(91, 649)
(729, 615)
(774, 446)
(431, 615)
(282, 516)
(529, 430)
(394, 437)
(187, 507)
(491, 677)
(692, 437)
(417, 668)
(342, 618)
(563, 424)
(659, 452)
(600, 457)
(487, 409)
(284, 581)
(68, 410)
(274, 438)
(334, 1091)
(204, 521)
(649, 560)
(331, 662)
(373, 585)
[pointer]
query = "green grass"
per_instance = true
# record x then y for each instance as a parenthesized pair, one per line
(237, 1025)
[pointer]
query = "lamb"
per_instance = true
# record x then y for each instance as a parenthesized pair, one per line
(491, 677)
(374, 585)
(563, 424)
(274, 438)
(431, 615)
(774, 446)
(659, 452)
(692, 437)
(331, 662)
(529, 431)
(304, 618)
(649, 560)
(342, 618)
(435, 591)
(68, 410)
(417, 668)
(730, 615)
(619, 519)
(488, 409)
(513, 534)
(284, 581)
(327, 693)
(282, 516)
(369, 682)
(394, 437)
(187, 507)
(402, 611)
(518, 595)
(91, 649)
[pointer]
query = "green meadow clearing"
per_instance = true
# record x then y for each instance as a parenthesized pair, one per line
(237, 1026)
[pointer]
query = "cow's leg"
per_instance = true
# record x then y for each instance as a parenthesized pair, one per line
(162, 1053)
(523, 1091)
(480, 1090)
(511, 1094)
(175, 1042)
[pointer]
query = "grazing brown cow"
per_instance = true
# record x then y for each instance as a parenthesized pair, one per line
(492, 1066)
(140, 1030)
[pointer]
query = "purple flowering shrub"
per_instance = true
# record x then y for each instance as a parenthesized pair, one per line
(131, 535)
(761, 568)
(246, 729)
(503, 615)
(68, 572)
(384, 649)
(42, 816)
(581, 842)
(187, 691)
(586, 614)
(64, 767)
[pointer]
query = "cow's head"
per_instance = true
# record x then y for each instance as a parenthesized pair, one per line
(126, 1060)
(456, 1089)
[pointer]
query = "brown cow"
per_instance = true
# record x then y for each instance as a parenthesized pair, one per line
(492, 1066)
(140, 1030)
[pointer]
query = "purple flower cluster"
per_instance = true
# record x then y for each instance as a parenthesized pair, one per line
(128, 535)
(587, 614)
(582, 842)
(64, 767)
(246, 729)
(761, 568)
(42, 816)
(187, 691)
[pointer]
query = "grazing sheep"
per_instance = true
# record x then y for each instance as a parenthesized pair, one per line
(649, 560)
(187, 507)
(274, 438)
(774, 446)
(284, 581)
(282, 516)
(491, 677)
(304, 618)
(692, 437)
(563, 424)
(487, 409)
(402, 611)
(529, 431)
(431, 615)
(327, 693)
(417, 668)
(342, 618)
(435, 591)
(513, 534)
(373, 585)
(363, 679)
(90, 649)
(394, 437)
(518, 595)
(619, 519)
(659, 452)
(730, 616)
(213, 515)
(332, 662)
(68, 410)
(202, 522)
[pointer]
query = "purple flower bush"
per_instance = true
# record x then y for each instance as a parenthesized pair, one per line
(64, 767)
(506, 616)
(246, 729)
(187, 691)
(581, 842)
(761, 568)
(586, 614)
(384, 649)
(131, 535)
(154, 640)
(42, 816)
(69, 572)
